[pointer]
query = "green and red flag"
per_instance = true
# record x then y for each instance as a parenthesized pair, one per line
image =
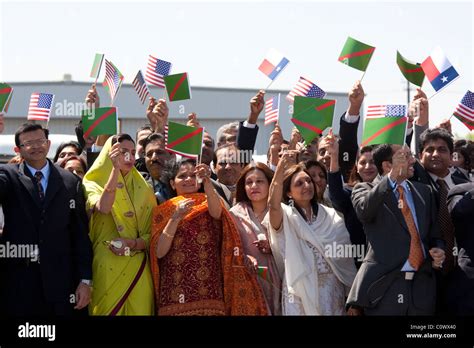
(356, 54)
(177, 87)
(312, 116)
(184, 140)
(385, 124)
(412, 71)
(262, 272)
(97, 65)
(100, 121)
(6, 92)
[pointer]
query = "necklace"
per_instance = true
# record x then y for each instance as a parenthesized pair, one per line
(261, 214)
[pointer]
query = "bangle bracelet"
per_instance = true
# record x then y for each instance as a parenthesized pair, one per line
(134, 245)
(110, 190)
(168, 235)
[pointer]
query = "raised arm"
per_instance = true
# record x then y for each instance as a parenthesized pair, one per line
(104, 204)
(213, 201)
(248, 130)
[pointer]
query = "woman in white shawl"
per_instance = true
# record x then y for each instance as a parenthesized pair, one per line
(305, 237)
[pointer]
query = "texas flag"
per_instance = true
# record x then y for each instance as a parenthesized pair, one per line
(439, 70)
(273, 64)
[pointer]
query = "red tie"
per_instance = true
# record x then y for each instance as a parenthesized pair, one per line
(415, 258)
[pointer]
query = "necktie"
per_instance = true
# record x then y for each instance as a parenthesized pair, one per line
(446, 225)
(38, 177)
(415, 257)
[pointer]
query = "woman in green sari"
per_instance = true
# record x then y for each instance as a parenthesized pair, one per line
(120, 203)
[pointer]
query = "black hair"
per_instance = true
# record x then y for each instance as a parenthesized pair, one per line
(153, 137)
(435, 134)
(381, 153)
(171, 171)
(121, 137)
(29, 127)
(66, 144)
(142, 128)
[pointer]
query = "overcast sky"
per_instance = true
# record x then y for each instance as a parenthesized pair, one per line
(221, 44)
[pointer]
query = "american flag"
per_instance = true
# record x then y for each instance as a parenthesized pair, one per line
(465, 110)
(113, 79)
(305, 88)
(156, 70)
(40, 106)
(272, 109)
(140, 86)
(374, 111)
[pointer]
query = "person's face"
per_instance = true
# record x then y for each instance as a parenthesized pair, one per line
(228, 137)
(141, 136)
(324, 156)
(89, 141)
(185, 180)
(207, 149)
(410, 160)
(127, 148)
(256, 186)
(458, 160)
(310, 151)
(34, 146)
(65, 153)
(366, 167)
(156, 157)
(436, 157)
(301, 188)
(319, 179)
(74, 166)
(228, 166)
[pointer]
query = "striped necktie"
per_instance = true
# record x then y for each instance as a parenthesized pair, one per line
(446, 225)
(38, 177)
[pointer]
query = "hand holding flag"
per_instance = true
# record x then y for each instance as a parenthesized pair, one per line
(92, 97)
(157, 113)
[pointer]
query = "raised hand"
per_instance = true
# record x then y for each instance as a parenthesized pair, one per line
(116, 156)
(193, 121)
(92, 97)
(256, 106)
(356, 97)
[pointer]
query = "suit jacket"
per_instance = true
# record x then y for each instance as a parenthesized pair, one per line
(389, 241)
(347, 145)
(461, 285)
(58, 226)
(246, 137)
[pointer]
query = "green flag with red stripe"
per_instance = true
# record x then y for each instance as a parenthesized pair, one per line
(356, 54)
(177, 87)
(262, 272)
(412, 71)
(385, 124)
(6, 92)
(184, 140)
(312, 116)
(100, 121)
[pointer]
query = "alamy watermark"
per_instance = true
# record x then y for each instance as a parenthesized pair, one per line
(23, 251)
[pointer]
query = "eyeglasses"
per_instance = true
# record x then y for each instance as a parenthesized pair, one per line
(30, 143)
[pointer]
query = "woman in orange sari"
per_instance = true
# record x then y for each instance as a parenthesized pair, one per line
(196, 254)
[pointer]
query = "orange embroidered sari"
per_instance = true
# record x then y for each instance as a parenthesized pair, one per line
(203, 273)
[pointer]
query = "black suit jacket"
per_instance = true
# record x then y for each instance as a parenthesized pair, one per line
(461, 286)
(58, 226)
(246, 137)
(389, 243)
(347, 146)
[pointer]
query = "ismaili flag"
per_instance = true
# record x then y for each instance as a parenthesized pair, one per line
(465, 110)
(6, 92)
(156, 70)
(272, 109)
(184, 140)
(439, 70)
(40, 106)
(413, 72)
(356, 54)
(177, 87)
(113, 79)
(273, 64)
(385, 124)
(100, 121)
(262, 272)
(312, 116)
(95, 71)
(140, 87)
(305, 88)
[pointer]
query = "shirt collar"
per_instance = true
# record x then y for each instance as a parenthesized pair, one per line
(45, 170)
(448, 179)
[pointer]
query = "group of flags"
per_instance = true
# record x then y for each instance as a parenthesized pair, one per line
(312, 114)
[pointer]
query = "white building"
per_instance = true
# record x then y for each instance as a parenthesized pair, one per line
(213, 106)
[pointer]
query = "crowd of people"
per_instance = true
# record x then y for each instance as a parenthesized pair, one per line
(124, 227)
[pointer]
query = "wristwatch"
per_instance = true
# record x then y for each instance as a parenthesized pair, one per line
(87, 282)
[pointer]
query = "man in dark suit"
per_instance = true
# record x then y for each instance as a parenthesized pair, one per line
(460, 292)
(396, 276)
(44, 207)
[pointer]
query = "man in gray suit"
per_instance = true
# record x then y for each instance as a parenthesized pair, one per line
(396, 276)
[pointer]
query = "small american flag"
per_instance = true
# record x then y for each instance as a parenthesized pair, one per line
(305, 88)
(166, 133)
(465, 110)
(140, 87)
(156, 70)
(374, 111)
(40, 106)
(272, 109)
(113, 79)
